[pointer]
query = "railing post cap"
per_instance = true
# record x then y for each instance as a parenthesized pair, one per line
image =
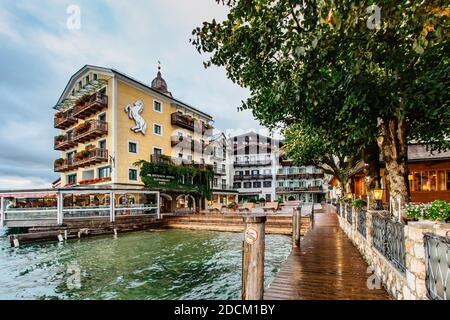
(255, 218)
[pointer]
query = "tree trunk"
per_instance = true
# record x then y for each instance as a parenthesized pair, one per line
(394, 149)
(371, 157)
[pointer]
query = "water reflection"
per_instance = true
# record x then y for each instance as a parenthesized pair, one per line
(174, 264)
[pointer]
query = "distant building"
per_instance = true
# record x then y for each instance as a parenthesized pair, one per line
(260, 171)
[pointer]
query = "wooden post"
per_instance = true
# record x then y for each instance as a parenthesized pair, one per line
(2, 211)
(253, 258)
(296, 227)
(59, 207)
(112, 207)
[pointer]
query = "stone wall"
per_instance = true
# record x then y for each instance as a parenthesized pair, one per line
(408, 285)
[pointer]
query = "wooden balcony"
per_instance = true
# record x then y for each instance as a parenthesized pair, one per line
(305, 176)
(191, 124)
(94, 156)
(188, 143)
(97, 102)
(64, 120)
(181, 121)
(299, 189)
(252, 177)
(97, 129)
(65, 165)
(252, 163)
(163, 159)
(65, 142)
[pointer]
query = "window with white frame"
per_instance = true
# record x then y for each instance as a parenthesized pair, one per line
(71, 178)
(104, 172)
(132, 174)
(132, 147)
(157, 151)
(157, 129)
(157, 106)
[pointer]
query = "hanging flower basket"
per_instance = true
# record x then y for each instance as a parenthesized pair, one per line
(85, 126)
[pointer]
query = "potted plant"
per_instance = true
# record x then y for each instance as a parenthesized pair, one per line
(60, 138)
(232, 206)
(82, 127)
(439, 211)
(358, 203)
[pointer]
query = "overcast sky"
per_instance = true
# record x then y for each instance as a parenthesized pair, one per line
(39, 54)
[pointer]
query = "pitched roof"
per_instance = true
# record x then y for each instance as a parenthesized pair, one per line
(129, 78)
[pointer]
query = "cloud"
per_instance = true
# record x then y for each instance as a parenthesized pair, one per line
(39, 54)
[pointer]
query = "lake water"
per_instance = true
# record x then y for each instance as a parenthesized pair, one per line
(172, 264)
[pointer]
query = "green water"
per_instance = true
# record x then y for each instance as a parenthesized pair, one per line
(173, 264)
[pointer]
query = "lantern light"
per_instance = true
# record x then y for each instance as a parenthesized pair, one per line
(410, 177)
(349, 195)
(378, 194)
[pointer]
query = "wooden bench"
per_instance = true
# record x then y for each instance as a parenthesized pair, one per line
(215, 207)
(246, 207)
(271, 206)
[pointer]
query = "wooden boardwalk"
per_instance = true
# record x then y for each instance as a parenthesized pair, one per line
(326, 267)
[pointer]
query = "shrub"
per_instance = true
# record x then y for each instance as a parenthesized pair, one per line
(437, 210)
(231, 205)
(358, 203)
(262, 200)
(280, 200)
(291, 198)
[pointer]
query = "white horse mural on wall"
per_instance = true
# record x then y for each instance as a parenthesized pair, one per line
(134, 112)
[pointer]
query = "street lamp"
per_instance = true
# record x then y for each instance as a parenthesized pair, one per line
(378, 197)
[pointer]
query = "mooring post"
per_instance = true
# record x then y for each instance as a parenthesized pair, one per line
(296, 227)
(253, 257)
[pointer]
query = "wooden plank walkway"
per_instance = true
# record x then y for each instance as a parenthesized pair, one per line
(326, 267)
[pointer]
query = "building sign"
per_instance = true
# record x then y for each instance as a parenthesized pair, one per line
(251, 235)
(161, 179)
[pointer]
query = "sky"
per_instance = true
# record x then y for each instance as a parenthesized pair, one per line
(39, 53)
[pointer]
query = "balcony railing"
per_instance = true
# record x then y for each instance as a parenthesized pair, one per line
(437, 260)
(362, 221)
(64, 119)
(190, 123)
(225, 187)
(303, 176)
(96, 129)
(299, 189)
(256, 163)
(64, 142)
(220, 171)
(389, 240)
(243, 177)
(92, 157)
(159, 158)
(96, 102)
(63, 165)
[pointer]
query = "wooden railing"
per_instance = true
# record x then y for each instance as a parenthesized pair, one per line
(97, 128)
(306, 176)
(64, 120)
(65, 142)
(96, 155)
(95, 103)
(65, 165)
(252, 163)
(299, 189)
(252, 177)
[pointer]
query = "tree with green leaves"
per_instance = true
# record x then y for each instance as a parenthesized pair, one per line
(363, 70)
(306, 145)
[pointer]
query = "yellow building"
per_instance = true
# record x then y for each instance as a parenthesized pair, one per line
(108, 121)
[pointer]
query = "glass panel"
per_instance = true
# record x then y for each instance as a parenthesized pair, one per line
(425, 181)
(441, 181)
(417, 182)
(432, 180)
(136, 204)
(86, 205)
